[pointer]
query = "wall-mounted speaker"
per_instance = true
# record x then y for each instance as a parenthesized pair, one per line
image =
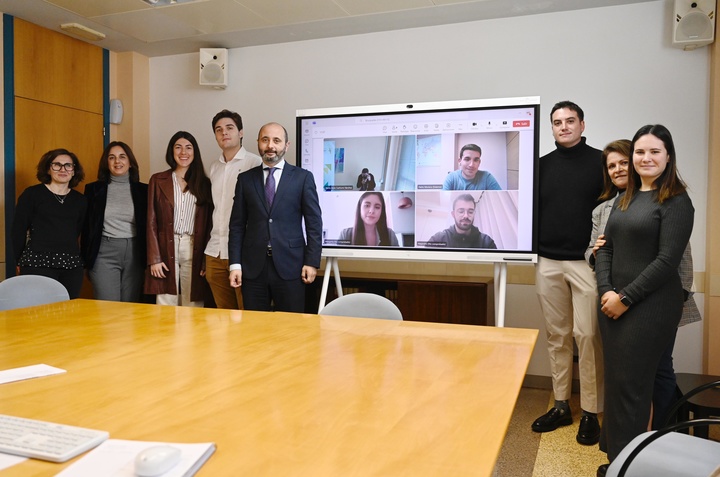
(116, 111)
(214, 67)
(693, 23)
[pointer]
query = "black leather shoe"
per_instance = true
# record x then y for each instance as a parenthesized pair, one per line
(589, 431)
(602, 470)
(551, 420)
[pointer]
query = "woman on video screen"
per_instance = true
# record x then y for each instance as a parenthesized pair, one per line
(370, 224)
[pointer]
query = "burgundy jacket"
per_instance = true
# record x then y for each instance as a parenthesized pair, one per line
(161, 238)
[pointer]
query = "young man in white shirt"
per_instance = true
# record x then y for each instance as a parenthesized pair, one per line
(234, 159)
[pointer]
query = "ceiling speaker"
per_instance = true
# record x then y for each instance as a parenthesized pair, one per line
(213, 67)
(693, 23)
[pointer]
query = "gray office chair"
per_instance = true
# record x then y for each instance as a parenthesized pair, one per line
(666, 453)
(363, 305)
(30, 290)
(669, 454)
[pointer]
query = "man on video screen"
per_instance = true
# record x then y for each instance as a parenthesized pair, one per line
(462, 234)
(366, 181)
(468, 176)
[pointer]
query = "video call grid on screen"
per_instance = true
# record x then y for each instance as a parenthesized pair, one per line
(410, 155)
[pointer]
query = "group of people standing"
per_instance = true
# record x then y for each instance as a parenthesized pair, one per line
(170, 237)
(622, 296)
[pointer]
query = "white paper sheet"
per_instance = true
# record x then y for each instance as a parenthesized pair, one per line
(28, 372)
(7, 460)
(116, 458)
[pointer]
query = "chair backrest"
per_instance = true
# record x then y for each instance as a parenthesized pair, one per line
(686, 397)
(363, 305)
(668, 454)
(30, 290)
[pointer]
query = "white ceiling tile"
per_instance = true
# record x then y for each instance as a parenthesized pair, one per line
(93, 8)
(216, 16)
(355, 7)
(279, 12)
(148, 26)
(450, 2)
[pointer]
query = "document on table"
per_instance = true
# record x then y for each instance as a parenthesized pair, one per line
(7, 460)
(116, 458)
(28, 372)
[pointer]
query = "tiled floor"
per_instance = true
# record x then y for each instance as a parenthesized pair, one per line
(552, 454)
(519, 451)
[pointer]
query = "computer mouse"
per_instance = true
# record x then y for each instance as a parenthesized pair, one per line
(156, 460)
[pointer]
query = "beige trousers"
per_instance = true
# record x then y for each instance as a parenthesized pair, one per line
(567, 291)
(183, 275)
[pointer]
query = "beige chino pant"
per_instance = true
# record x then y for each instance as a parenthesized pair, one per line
(567, 292)
(183, 274)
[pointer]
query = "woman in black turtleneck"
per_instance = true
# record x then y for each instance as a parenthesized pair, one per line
(48, 220)
(113, 239)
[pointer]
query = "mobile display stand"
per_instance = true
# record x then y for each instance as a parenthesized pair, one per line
(499, 284)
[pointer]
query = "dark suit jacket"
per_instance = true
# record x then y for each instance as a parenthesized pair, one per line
(96, 193)
(253, 225)
(161, 238)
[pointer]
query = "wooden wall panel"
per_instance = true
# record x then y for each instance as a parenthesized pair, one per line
(58, 103)
(712, 250)
(54, 68)
(41, 127)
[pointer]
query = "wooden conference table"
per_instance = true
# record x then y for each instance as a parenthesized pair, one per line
(281, 394)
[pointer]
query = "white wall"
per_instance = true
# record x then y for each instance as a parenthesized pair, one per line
(615, 62)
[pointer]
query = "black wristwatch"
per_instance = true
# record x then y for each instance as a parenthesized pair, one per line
(625, 300)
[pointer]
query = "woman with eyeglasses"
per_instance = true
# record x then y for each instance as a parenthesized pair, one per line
(113, 239)
(48, 221)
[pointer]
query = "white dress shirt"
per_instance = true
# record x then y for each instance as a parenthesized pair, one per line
(223, 176)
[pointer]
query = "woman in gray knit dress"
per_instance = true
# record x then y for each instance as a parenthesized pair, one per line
(641, 295)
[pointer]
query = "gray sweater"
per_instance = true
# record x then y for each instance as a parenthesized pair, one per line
(645, 244)
(119, 211)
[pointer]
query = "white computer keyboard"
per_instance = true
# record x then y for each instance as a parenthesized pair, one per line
(46, 440)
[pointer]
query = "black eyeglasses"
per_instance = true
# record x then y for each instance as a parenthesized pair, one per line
(57, 166)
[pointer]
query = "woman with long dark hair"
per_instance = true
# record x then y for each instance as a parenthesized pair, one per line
(48, 221)
(113, 239)
(370, 224)
(641, 293)
(178, 225)
(616, 158)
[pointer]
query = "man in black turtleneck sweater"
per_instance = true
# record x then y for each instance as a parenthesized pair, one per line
(570, 184)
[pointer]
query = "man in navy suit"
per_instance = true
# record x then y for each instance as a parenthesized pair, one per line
(269, 256)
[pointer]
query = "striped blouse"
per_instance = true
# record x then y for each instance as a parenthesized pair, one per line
(184, 223)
